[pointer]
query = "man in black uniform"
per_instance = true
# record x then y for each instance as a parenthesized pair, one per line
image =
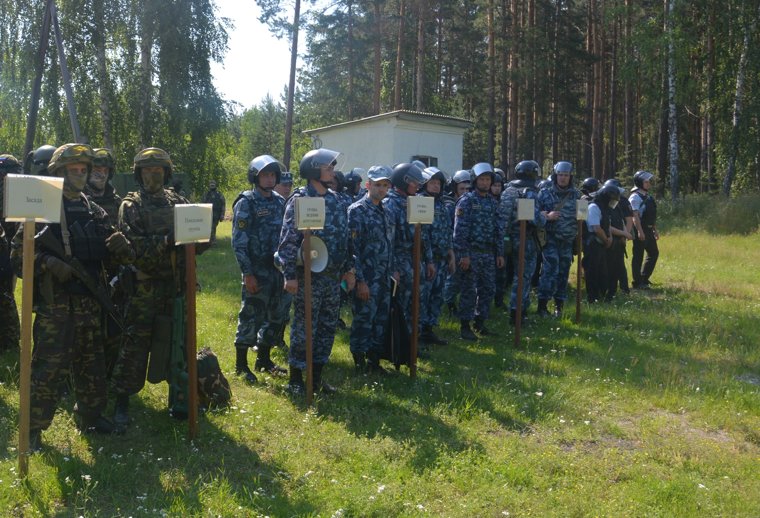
(644, 220)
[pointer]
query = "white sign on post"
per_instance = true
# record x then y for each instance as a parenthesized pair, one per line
(310, 213)
(35, 198)
(420, 210)
(526, 208)
(192, 223)
(581, 210)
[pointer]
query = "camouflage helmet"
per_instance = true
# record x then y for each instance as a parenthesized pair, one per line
(70, 154)
(9, 164)
(40, 160)
(104, 158)
(152, 157)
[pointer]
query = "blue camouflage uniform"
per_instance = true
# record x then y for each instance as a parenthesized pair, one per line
(451, 286)
(372, 234)
(478, 230)
(403, 250)
(256, 225)
(325, 286)
(439, 236)
(521, 189)
(560, 235)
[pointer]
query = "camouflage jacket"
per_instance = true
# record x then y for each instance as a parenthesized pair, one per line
(256, 226)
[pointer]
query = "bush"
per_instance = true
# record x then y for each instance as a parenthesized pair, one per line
(714, 214)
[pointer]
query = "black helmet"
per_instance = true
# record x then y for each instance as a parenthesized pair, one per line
(70, 154)
(264, 163)
(9, 164)
(41, 158)
(104, 158)
(640, 177)
(354, 177)
(286, 178)
(313, 160)
(405, 173)
(527, 170)
(562, 167)
(152, 157)
(340, 181)
(606, 194)
(590, 185)
(616, 183)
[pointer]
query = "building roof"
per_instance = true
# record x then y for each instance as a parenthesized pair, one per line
(430, 118)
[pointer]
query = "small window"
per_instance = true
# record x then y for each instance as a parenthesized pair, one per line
(429, 161)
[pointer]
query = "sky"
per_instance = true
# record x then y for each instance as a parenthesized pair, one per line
(256, 63)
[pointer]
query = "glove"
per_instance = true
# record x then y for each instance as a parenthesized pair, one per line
(118, 244)
(60, 270)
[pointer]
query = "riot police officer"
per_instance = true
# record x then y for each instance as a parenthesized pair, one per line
(645, 221)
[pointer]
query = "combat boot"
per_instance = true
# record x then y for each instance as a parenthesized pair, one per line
(295, 383)
(429, 337)
(558, 305)
(465, 332)
(373, 364)
(319, 384)
(360, 362)
(121, 411)
(35, 441)
(543, 310)
(241, 365)
(265, 363)
(480, 327)
(96, 424)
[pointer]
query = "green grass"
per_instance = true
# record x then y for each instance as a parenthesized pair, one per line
(649, 407)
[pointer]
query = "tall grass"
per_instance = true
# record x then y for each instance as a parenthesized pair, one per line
(713, 214)
(649, 407)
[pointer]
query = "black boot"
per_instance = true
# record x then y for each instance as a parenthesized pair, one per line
(319, 384)
(429, 337)
(543, 310)
(295, 383)
(558, 305)
(265, 363)
(35, 441)
(121, 411)
(480, 327)
(465, 332)
(96, 424)
(373, 364)
(360, 362)
(241, 365)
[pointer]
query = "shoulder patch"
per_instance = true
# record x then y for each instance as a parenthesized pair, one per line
(242, 223)
(460, 211)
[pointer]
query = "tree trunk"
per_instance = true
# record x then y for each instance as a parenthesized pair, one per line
(672, 115)
(99, 42)
(291, 85)
(629, 142)
(146, 77)
(351, 100)
(514, 97)
(377, 50)
(399, 51)
(554, 85)
(709, 123)
(612, 163)
(491, 84)
(597, 140)
(749, 29)
(589, 137)
(420, 80)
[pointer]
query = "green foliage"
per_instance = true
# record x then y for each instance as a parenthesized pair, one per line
(716, 215)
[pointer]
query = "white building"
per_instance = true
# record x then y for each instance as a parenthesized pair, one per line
(394, 137)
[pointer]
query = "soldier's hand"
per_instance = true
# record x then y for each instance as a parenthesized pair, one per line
(291, 286)
(500, 261)
(362, 291)
(464, 263)
(627, 235)
(118, 244)
(251, 286)
(430, 271)
(452, 265)
(396, 276)
(60, 270)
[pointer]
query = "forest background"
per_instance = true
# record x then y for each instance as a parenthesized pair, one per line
(612, 85)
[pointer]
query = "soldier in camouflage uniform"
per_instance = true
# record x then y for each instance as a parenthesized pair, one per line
(406, 179)
(67, 327)
(219, 206)
(9, 323)
(560, 196)
(285, 186)
(372, 244)
(147, 218)
(460, 185)
(317, 167)
(523, 186)
(256, 224)
(478, 245)
(439, 236)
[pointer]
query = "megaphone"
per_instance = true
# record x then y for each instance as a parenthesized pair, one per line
(318, 255)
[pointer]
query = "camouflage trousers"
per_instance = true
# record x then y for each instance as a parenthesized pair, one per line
(10, 329)
(557, 258)
(431, 295)
(67, 338)
(149, 326)
(478, 286)
(371, 316)
(531, 258)
(263, 314)
(325, 310)
(405, 286)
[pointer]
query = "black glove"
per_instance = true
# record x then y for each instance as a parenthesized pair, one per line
(118, 244)
(60, 270)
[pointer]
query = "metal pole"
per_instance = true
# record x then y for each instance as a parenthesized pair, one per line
(190, 341)
(306, 251)
(520, 287)
(415, 301)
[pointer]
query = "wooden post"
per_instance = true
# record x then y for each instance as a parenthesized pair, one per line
(190, 341)
(306, 252)
(26, 348)
(415, 301)
(579, 274)
(520, 287)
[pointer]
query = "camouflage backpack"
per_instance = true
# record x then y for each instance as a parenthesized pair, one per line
(213, 388)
